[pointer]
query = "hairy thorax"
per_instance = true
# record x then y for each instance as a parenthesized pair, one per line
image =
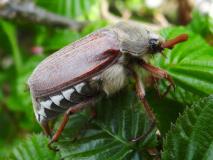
(113, 79)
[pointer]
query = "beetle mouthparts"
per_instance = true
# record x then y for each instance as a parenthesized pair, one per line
(172, 42)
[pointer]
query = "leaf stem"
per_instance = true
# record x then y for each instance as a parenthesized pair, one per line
(114, 136)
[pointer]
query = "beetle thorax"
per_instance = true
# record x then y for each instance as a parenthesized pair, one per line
(113, 79)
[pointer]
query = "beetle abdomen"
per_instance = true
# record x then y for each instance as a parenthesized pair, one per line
(53, 105)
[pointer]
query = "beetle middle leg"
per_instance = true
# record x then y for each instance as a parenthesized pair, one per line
(160, 73)
(69, 112)
(141, 94)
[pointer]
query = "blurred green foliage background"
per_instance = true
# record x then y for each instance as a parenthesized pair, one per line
(23, 44)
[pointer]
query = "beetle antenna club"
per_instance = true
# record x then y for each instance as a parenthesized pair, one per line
(73, 77)
(172, 42)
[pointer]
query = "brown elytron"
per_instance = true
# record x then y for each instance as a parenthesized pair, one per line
(74, 63)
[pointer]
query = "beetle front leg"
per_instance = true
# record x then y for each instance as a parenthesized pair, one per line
(160, 73)
(141, 94)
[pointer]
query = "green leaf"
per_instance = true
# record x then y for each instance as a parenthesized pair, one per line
(19, 100)
(60, 38)
(166, 110)
(201, 23)
(181, 95)
(192, 135)
(189, 63)
(119, 119)
(52, 39)
(34, 147)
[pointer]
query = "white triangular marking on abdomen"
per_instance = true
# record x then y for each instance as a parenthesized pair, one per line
(67, 93)
(41, 118)
(41, 112)
(79, 86)
(56, 99)
(46, 104)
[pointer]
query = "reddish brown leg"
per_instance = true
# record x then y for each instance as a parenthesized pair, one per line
(160, 73)
(93, 112)
(155, 83)
(141, 94)
(46, 128)
(69, 112)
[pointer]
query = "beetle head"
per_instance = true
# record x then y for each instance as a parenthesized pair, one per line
(155, 43)
(142, 44)
(137, 40)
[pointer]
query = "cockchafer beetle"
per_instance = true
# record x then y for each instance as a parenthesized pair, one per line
(73, 77)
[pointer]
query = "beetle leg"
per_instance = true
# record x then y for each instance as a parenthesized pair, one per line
(46, 128)
(160, 73)
(155, 84)
(93, 112)
(141, 94)
(69, 112)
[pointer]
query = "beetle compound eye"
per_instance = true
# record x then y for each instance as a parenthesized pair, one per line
(154, 45)
(153, 42)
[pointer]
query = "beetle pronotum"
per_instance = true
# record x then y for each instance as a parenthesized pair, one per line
(97, 64)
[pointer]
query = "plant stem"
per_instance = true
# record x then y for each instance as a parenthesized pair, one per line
(10, 31)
